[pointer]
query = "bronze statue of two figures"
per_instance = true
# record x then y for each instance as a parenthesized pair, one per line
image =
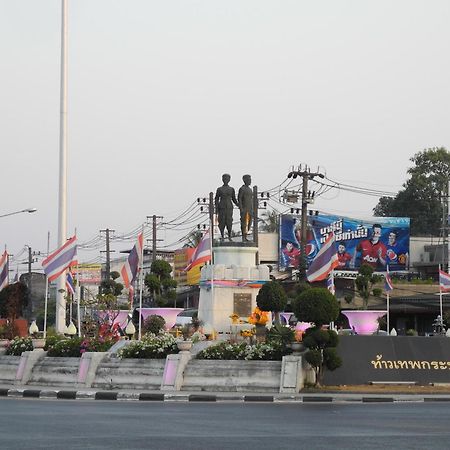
(225, 199)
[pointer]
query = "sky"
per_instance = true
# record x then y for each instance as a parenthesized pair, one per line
(166, 96)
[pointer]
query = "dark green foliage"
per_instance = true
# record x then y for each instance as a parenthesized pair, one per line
(365, 281)
(316, 305)
(153, 324)
(13, 300)
(280, 334)
(273, 351)
(66, 348)
(331, 359)
(152, 283)
(420, 198)
(161, 268)
(322, 350)
(271, 297)
(377, 292)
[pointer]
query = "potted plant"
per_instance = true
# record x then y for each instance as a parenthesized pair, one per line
(184, 343)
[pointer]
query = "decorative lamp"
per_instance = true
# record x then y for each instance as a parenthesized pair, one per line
(130, 330)
(71, 330)
(33, 328)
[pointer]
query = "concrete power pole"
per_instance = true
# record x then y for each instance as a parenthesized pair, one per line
(107, 250)
(306, 175)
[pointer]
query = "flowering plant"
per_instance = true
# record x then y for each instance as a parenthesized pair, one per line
(234, 318)
(258, 317)
(152, 346)
(248, 333)
(19, 345)
(273, 351)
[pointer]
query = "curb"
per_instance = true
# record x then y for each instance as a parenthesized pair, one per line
(210, 398)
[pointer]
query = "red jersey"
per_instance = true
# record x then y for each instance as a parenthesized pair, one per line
(343, 259)
(370, 253)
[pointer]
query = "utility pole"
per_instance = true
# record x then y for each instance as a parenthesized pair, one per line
(154, 240)
(108, 251)
(305, 172)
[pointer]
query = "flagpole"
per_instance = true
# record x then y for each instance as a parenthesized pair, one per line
(78, 291)
(440, 298)
(46, 289)
(141, 282)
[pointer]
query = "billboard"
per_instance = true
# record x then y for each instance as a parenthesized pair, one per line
(379, 242)
(181, 260)
(88, 273)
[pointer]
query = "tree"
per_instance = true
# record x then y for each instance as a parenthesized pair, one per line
(364, 282)
(269, 221)
(160, 282)
(13, 300)
(271, 297)
(319, 306)
(421, 197)
(194, 238)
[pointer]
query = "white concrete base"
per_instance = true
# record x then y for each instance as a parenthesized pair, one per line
(173, 376)
(27, 362)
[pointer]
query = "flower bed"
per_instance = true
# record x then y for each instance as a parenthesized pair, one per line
(151, 346)
(19, 345)
(273, 351)
(76, 346)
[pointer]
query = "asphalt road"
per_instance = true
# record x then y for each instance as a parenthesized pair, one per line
(49, 424)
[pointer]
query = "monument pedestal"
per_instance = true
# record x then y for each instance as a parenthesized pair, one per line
(230, 286)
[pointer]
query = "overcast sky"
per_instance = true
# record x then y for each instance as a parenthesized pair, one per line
(165, 96)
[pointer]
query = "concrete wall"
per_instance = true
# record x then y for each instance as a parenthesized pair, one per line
(52, 371)
(8, 368)
(232, 376)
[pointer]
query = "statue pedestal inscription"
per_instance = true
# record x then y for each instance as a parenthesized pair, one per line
(230, 286)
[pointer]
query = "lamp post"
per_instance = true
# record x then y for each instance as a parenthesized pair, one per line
(28, 210)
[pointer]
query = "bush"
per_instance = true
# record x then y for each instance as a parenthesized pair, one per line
(61, 346)
(19, 345)
(271, 297)
(152, 347)
(280, 334)
(153, 324)
(272, 351)
(316, 305)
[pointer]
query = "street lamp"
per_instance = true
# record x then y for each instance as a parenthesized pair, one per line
(28, 210)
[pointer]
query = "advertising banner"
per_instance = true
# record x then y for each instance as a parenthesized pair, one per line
(380, 242)
(88, 273)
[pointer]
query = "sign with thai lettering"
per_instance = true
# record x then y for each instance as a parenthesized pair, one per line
(380, 242)
(88, 273)
(242, 304)
(397, 358)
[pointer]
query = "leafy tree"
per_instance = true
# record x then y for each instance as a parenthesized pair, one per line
(421, 197)
(13, 300)
(319, 306)
(364, 282)
(193, 239)
(269, 222)
(316, 305)
(271, 297)
(160, 282)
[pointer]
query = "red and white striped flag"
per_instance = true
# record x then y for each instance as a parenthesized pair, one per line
(132, 265)
(60, 260)
(4, 270)
(202, 252)
(324, 262)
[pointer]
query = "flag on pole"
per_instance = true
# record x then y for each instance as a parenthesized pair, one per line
(324, 262)
(388, 286)
(202, 252)
(60, 260)
(444, 281)
(70, 285)
(330, 283)
(131, 267)
(4, 270)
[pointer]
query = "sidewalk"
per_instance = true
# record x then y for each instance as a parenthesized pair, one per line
(46, 392)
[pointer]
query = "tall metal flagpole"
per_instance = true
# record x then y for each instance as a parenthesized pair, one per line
(62, 207)
(440, 299)
(387, 305)
(46, 290)
(141, 284)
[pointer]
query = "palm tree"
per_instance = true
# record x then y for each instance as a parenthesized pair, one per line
(269, 221)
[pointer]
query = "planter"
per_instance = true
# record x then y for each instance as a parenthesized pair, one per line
(184, 346)
(169, 314)
(297, 348)
(38, 343)
(363, 322)
(303, 326)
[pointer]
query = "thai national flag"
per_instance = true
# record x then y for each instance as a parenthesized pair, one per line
(324, 262)
(131, 267)
(202, 252)
(444, 281)
(70, 285)
(388, 286)
(4, 270)
(60, 260)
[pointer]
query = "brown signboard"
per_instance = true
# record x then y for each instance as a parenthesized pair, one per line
(242, 304)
